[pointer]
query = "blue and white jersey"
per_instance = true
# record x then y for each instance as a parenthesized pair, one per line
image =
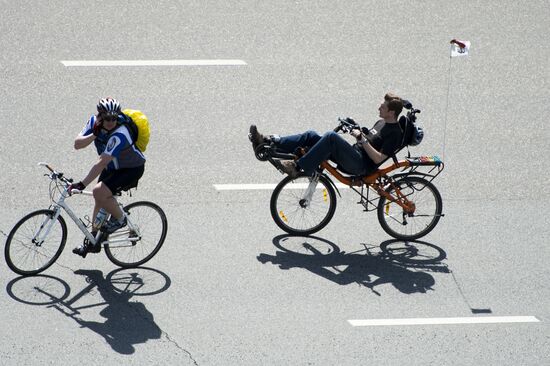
(118, 144)
(124, 153)
(100, 141)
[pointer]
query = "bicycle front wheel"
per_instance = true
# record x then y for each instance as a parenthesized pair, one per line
(141, 239)
(410, 226)
(299, 208)
(35, 242)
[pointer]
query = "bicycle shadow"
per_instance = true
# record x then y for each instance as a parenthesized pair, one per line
(404, 265)
(126, 323)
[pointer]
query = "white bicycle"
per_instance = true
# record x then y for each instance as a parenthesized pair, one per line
(38, 239)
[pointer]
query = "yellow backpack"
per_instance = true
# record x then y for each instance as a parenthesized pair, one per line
(140, 128)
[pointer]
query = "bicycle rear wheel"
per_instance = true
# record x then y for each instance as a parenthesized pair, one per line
(141, 239)
(35, 242)
(410, 226)
(291, 211)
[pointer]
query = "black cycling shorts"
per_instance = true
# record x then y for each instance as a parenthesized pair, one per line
(121, 179)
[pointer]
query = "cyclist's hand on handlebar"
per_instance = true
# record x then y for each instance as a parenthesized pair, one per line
(78, 186)
(346, 125)
(356, 132)
(350, 121)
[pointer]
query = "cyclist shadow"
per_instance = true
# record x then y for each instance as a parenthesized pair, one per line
(126, 323)
(405, 265)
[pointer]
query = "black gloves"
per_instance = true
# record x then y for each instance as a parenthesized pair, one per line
(79, 186)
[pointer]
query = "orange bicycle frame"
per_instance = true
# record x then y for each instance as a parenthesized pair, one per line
(375, 182)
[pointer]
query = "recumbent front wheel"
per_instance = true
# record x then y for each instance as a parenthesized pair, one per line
(294, 213)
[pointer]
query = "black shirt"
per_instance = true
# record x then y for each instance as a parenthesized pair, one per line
(384, 138)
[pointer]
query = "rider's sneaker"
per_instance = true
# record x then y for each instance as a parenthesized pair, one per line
(87, 247)
(290, 167)
(82, 250)
(255, 137)
(113, 225)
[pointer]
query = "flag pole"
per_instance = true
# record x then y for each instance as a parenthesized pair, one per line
(446, 109)
(458, 48)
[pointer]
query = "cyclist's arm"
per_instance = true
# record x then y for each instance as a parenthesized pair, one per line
(86, 136)
(82, 141)
(98, 167)
(376, 156)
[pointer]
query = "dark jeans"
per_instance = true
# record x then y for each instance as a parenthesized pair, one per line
(329, 146)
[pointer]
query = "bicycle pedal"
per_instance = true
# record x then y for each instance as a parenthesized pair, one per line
(94, 248)
(81, 251)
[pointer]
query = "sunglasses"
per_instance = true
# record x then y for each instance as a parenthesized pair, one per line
(109, 118)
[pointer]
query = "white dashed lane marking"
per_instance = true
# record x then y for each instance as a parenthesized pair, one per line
(444, 321)
(106, 63)
(266, 186)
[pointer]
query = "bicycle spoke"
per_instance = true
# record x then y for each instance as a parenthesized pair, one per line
(290, 211)
(427, 212)
(138, 247)
(35, 242)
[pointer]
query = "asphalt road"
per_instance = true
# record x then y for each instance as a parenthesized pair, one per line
(228, 287)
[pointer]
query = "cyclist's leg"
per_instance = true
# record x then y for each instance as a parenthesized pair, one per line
(290, 143)
(104, 198)
(333, 146)
(87, 246)
(102, 190)
(103, 193)
(349, 158)
(122, 179)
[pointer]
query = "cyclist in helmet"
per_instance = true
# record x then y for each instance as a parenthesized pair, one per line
(119, 167)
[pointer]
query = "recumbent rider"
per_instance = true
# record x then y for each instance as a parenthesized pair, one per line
(362, 158)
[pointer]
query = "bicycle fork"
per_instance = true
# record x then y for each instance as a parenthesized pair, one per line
(308, 194)
(46, 227)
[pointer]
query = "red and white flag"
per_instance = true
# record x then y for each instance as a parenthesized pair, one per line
(459, 48)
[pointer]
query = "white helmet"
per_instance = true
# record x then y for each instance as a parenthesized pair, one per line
(108, 105)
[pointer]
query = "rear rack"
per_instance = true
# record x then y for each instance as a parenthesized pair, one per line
(418, 166)
(427, 167)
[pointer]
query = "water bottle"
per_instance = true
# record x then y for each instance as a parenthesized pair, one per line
(100, 218)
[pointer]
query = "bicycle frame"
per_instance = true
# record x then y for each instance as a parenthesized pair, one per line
(379, 181)
(60, 204)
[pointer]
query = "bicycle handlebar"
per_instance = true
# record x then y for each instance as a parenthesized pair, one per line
(348, 124)
(77, 191)
(47, 166)
(54, 174)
